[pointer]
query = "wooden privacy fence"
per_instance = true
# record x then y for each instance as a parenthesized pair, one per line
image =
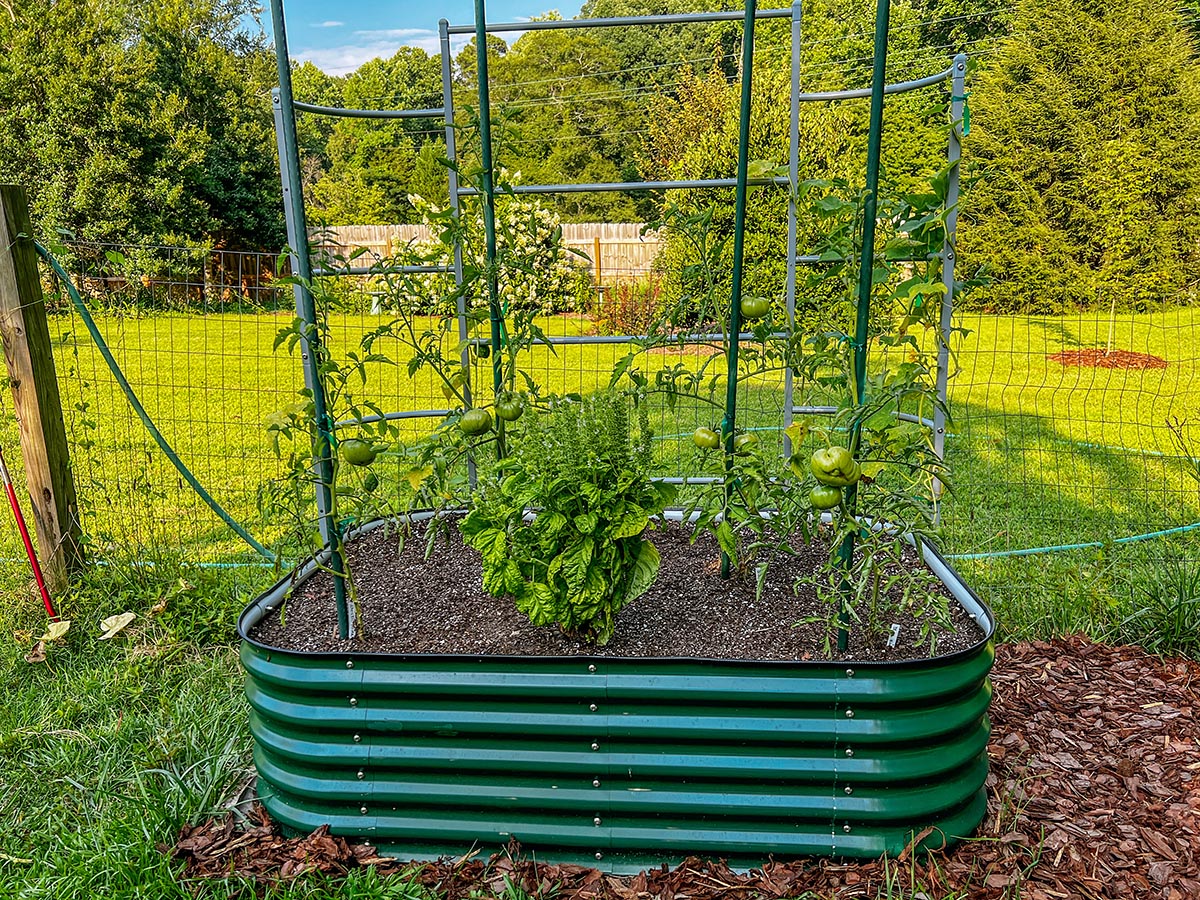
(615, 250)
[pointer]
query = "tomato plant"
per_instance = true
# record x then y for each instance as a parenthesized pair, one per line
(872, 459)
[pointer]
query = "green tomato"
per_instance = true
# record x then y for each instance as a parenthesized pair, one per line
(744, 442)
(451, 390)
(835, 466)
(358, 452)
(755, 307)
(706, 438)
(475, 422)
(823, 496)
(509, 406)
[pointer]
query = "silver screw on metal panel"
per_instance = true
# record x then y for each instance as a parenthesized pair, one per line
(599, 855)
(591, 667)
(596, 821)
(593, 707)
(354, 701)
(595, 782)
(849, 673)
(849, 752)
(846, 828)
(849, 790)
(363, 810)
(349, 664)
(849, 714)
(361, 775)
(595, 746)
(357, 738)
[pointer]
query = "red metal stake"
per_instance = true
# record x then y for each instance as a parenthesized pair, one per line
(37, 569)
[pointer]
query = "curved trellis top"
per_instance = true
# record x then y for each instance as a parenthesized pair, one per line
(285, 107)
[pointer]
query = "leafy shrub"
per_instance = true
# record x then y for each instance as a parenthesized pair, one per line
(584, 555)
(631, 307)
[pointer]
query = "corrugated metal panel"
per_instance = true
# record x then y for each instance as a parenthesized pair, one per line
(625, 762)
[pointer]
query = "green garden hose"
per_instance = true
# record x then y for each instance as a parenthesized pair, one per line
(191, 479)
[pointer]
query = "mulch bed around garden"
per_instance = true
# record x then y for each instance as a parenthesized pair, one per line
(1096, 358)
(1094, 793)
(414, 604)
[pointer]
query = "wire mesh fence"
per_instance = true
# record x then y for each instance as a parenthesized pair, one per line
(1065, 440)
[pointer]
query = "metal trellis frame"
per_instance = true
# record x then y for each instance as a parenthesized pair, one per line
(285, 108)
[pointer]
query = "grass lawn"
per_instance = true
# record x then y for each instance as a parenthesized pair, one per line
(108, 747)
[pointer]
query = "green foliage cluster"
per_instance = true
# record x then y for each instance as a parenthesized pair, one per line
(548, 279)
(137, 122)
(1086, 141)
(583, 555)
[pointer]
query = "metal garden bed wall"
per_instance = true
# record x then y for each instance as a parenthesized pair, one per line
(622, 763)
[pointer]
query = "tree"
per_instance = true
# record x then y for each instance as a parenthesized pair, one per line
(1085, 135)
(566, 120)
(366, 166)
(140, 122)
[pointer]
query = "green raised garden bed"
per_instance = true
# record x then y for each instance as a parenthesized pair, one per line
(622, 763)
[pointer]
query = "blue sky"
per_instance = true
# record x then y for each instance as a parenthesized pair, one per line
(339, 37)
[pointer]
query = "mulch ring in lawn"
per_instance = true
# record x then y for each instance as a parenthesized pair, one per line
(1094, 793)
(1096, 358)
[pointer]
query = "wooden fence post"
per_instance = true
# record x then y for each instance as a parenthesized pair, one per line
(36, 401)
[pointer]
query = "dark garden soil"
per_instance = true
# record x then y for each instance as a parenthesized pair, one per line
(1096, 358)
(1094, 793)
(411, 604)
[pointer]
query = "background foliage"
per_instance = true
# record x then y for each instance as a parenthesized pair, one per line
(150, 123)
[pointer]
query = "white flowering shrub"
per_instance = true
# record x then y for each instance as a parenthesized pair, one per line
(535, 272)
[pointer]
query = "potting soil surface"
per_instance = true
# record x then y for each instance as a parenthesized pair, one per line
(413, 603)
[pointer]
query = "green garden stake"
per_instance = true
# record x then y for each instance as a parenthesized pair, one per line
(866, 271)
(739, 234)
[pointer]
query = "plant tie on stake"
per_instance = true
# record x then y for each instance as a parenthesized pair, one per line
(966, 116)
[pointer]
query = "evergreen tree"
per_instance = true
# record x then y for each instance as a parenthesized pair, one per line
(1086, 138)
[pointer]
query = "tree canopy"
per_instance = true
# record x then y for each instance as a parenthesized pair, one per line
(135, 122)
(148, 122)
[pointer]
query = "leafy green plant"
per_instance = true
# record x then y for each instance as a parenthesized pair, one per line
(877, 461)
(1163, 614)
(539, 274)
(583, 554)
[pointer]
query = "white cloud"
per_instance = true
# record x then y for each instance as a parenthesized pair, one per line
(396, 34)
(382, 44)
(328, 24)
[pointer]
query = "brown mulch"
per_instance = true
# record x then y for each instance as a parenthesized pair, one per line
(1095, 793)
(1096, 358)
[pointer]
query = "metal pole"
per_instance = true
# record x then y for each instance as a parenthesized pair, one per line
(488, 191)
(866, 268)
(794, 179)
(739, 230)
(953, 154)
(622, 21)
(310, 345)
(452, 184)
